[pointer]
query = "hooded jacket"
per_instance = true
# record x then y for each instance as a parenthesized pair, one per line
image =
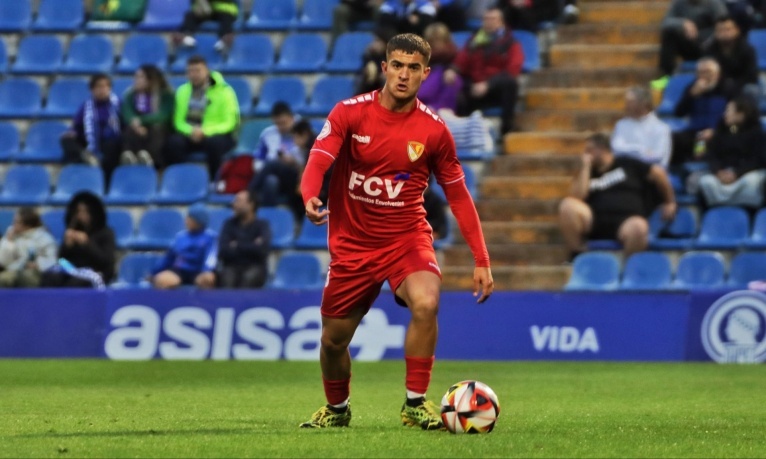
(99, 252)
(221, 115)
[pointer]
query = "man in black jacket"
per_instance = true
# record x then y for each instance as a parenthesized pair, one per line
(735, 55)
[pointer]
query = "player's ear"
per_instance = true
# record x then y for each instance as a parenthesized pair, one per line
(426, 72)
(383, 66)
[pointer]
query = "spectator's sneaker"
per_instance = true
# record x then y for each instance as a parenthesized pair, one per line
(425, 414)
(571, 13)
(189, 41)
(660, 83)
(143, 157)
(327, 416)
(89, 158)
(128, 158)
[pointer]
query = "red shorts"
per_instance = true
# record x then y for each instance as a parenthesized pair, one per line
(356, 283)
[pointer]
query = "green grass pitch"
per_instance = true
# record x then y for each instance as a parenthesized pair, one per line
(89, 408)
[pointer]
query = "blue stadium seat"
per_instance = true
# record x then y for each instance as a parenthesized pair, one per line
(470, 181)
(38, 54)
(746, 267)
(673, 93)
(447, 239)
(757, 38)
(89, 54)
(42, 143)
(53, 220)
(65, 96)
(132, 185)
(74, 178)
(121, 84)
(59, 16)
(316, 15)
(218, 216)
(647, 271)
(3, 57)
(301, 53)
(723, 227)
(311, 236)
(9, 141)
(347, 52)
(244, 94)
(134, 269)
(677, 234)
(528, 42)
(757, 239)
(183, 184)
(328, 91)
(250, 53)
(157, 229)
(604, 244)
(25, 185)
(282, 224)
(175, 82)
(164, 15)
(205, 47)
(297, 271)
(461, 37)
(15, 16)
(271, 15)
(121, 222)
(700, 270)
(250, 133)
(6, 219)
(143, 49)
(594, 271)
(285, 89)
(106, 26)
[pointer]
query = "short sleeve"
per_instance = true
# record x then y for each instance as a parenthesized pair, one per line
(444, 163)
(333, 133)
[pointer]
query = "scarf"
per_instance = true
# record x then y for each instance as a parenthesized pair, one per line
(91, 122)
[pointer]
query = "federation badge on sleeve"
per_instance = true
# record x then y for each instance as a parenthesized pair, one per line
(326, 129)
(415, 150)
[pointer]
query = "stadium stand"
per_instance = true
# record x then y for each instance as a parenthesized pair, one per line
(595, 271)
(746, 267)
(53, 220)
(38, 54)
(287, 89)
(316, 15)
(74, 178)
(677, 234)
(757, 239)
(723, 228)
(301, 53)
(249, 134)
(204, 47)
(121, 222)
(282, 225)
(700, 270)
(19, 98)
(217, 216)
(757, 38)
(163, 15)
(135, 268)
(328, 91)
(6, 219)
(41, 144)
(65, 96)
(156, 229)
(9, 141)
(270, 15)
(143, 49)
(132, 185)
(647, 271)
(673, 93)
(183, 184)
(25, 185)
(87, 54)
(311, 236)
(15, 16)
(347, 52)
(529, 45)
(297, 271)
(250, 53)
(59, 16)
(244, 94)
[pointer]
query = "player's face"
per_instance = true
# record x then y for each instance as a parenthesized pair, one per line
(404, 74)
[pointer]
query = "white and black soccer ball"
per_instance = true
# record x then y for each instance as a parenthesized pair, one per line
(470, 407)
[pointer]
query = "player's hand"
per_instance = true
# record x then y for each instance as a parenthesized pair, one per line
(313, 213)
(482, 280)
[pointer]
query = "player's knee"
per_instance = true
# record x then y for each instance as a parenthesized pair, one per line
(425, 307)
(333, 346)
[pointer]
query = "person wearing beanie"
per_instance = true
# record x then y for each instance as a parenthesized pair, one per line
(192, 256)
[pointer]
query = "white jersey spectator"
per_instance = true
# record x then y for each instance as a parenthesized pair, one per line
(640, 134)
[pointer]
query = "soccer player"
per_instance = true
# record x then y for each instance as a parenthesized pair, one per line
(384, 146)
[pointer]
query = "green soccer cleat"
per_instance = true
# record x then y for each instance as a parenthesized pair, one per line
(328, 417)
(426, 415)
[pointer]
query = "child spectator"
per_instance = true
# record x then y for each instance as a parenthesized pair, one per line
(26, 251)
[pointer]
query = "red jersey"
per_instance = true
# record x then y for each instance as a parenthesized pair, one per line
(383, 161)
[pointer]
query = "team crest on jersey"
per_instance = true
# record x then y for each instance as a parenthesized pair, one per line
(415, 150)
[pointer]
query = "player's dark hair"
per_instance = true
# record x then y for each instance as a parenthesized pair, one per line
(600, 141)
(94, 79)
(281, 108)
(196, 59)
(409, 43)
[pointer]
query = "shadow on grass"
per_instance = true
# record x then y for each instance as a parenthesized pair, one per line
(135, 433)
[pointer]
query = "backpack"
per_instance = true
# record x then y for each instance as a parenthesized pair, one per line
(235, 174)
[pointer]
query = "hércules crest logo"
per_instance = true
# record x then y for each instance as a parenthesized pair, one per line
(415, 150)
(734, 328)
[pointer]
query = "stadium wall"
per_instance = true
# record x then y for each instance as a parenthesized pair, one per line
(269, 324)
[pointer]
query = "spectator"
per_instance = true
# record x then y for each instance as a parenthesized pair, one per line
(608, 199)
(434, 91)
(640, 133)
(147, 108)
(224, 12)
(26, 251)
(739, 64)
(519, 14)
(370, 75)
(686, 26)
(96, 133)
(489, 63)
(244, 245)
(703, 102)
(88, 244)
(451, 13)
(436, 216)
(206, 116)
(406, 16)
(192, 256)
(348, 12)
(736, 156)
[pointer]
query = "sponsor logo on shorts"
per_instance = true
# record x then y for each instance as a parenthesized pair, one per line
(734, 328)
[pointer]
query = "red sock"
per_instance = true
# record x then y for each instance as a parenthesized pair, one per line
(336, 390)
(418, 373)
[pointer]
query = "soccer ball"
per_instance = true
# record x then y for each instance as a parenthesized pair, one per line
(470, 407)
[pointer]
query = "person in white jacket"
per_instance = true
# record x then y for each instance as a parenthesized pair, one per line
(26, 250)
(640, 133)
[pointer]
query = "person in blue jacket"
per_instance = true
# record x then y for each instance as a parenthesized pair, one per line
(192, 256)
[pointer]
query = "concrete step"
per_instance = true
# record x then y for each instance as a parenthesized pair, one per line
(518, 233)
(608, 34)
(534, 166)
(560, 143)
(549, 278)
(618, 77)
(575, 99)
(512, 210)
(603, 56)
(510, 255)
(525, 187)
(568, 120)
(627, 12)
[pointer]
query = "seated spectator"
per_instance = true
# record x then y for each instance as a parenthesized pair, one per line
(735, 55)
(686, 26)
(244, 246)
(489, 63)
(640, 133)
(434, 91)
(206, 116)
(608, 199)
(519, 14)
(147, 108)
(349, 12)
(26, 251)
(736, 156)
(406, 16)
(703, 102)
(192, 256)
(371, 76)
(224, 12)
(96, 133)
(88, 245)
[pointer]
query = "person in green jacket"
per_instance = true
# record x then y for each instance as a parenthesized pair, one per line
(206, 116)
(224, 12)
(147, 108)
